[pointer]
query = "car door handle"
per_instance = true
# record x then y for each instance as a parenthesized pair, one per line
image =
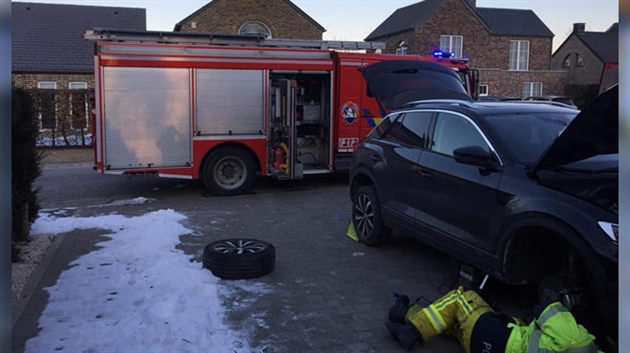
(425, 173)
(376, 157)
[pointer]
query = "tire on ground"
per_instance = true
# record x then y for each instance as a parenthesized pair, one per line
(239, 258)
(366, 217)
(229, 171)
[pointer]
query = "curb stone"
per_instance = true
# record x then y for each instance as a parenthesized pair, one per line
(18, 306)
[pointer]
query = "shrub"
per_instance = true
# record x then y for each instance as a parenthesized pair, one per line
(25, 165)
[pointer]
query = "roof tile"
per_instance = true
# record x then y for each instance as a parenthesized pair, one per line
(49, 37)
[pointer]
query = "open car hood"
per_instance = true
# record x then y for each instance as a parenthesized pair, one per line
(594, 131)
(397, 82)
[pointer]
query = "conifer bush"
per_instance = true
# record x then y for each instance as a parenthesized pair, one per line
(25, 165)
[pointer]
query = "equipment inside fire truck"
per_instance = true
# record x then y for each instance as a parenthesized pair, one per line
(230, 108)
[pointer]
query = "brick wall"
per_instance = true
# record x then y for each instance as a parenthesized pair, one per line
(489, 53)
(510, 84)
(482, 48)
(29, 80)
(590, 73)
(228, 16)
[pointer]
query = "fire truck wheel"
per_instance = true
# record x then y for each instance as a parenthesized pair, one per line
(239, 258)
(229, 171)
(366, 217)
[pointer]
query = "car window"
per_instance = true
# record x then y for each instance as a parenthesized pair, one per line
(412, 129)
(453, 131)
(528, 135)
(382, 127)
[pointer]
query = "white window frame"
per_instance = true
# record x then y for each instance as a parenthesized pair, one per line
(447, 45)
(481, 93)
(519, 58)
(240, 30)
(401, 49)
(42, 84)
(75, 83)
(532, 89)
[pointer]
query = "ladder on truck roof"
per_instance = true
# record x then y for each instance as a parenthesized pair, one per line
(113, 35)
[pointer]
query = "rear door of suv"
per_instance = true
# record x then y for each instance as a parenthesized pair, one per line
(459, 200)
(395, 163)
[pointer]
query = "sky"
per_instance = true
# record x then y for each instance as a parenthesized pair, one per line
(355, 19)
(135, 294)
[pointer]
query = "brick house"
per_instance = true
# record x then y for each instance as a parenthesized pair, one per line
(274, 18)
(584, 54)
(48, 48)
(510, 48)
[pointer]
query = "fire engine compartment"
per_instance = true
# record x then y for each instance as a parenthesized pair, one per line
(299, 125)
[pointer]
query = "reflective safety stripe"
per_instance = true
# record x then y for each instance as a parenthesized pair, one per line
(446, 301)
(464, 303)
(438, 324)
(550, 312)
(534, 341)
(534, 346)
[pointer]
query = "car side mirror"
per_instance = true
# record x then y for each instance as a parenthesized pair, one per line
(474, 155)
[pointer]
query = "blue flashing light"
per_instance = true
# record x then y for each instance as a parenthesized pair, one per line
(443, 55)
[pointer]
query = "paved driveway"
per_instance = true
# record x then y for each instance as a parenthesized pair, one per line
(327, 292)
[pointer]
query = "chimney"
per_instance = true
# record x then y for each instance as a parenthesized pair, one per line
(579, 27)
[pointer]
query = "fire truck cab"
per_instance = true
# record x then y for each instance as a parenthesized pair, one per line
(231, 108)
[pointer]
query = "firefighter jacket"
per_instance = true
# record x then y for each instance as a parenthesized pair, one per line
(554, 330)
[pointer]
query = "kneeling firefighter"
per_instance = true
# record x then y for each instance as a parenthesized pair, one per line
(479, 329)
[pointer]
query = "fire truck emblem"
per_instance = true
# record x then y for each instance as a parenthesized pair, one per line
(350, 112)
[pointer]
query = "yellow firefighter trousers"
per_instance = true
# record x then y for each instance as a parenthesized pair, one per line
(454, 314)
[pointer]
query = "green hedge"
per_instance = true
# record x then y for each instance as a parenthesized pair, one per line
(25, 164)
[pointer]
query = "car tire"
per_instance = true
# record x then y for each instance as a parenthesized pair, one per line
(563, 287)
(229, 171)
(239, 258)
(366, 217)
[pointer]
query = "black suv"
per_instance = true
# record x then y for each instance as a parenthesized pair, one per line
(526, 192)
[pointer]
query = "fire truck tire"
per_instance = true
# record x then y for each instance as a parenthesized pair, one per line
(239, 258)
(229, 171)
(366, 217)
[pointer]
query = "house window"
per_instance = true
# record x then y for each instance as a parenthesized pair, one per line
(567, 61)
(452, 44)
(519, 55)
(580, 61)
(483, 90)
(77, 85)
(47, 85)
(531, 89)
(255, 28)
(402, 48)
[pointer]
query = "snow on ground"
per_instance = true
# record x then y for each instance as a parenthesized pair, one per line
(73, 140)
(137, 293)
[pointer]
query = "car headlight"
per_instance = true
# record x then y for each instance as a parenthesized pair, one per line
(611, 229)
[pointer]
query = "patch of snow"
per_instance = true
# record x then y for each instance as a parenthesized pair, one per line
(73, 140)
(137, 293)
(136, 201)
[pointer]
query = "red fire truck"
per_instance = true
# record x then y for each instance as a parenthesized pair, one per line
(230, 108)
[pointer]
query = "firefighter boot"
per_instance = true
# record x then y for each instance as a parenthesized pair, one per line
(406, 335)
(398, 312)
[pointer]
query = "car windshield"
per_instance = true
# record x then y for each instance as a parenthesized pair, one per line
(528, 135)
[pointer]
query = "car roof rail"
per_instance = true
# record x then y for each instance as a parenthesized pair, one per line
(557, 104)
(462, 103)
